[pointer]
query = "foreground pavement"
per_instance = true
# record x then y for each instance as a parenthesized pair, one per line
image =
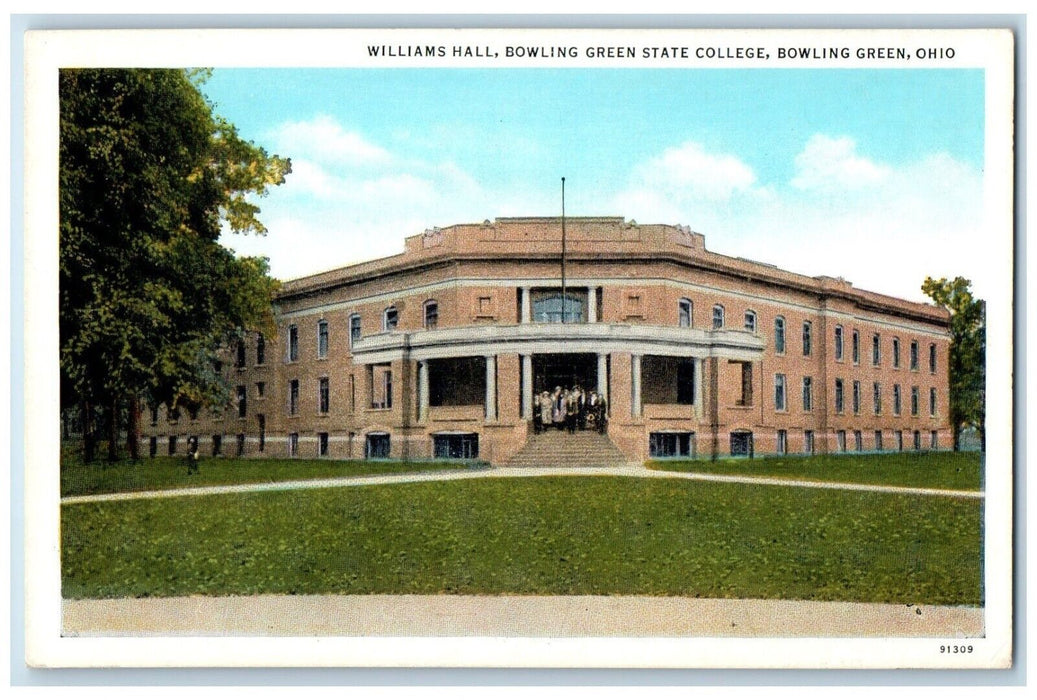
(515, 472)
(510, 616)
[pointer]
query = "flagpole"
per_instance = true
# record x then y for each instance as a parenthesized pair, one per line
(563, 250)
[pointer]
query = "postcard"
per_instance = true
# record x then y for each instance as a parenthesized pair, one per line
(657, 348)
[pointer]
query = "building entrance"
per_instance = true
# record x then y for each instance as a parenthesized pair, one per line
(566, 371)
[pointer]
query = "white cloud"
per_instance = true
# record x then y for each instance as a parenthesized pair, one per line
(828, 163)
(689, 171)
(882, 226)
(322, 138)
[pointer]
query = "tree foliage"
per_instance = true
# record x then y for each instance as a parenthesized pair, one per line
(967, 353)
(148, 175)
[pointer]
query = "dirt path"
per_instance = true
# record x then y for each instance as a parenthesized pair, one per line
(511, 616)
(514, 472)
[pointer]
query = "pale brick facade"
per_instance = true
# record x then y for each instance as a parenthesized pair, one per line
(434, 352)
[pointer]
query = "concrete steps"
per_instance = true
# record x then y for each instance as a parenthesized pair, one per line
(555, 448)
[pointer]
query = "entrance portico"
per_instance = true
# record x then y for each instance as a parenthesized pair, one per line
(482, 379)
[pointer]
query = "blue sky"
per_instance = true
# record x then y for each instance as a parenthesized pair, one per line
(818, 171)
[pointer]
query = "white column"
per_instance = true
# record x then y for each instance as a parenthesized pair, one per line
(603, 375)
(527, 308)
(422, 391)
(592, 304)
(635, 386)
(697, 378)
(527, 387)
(491, 388)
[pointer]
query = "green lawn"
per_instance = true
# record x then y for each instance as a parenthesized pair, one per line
(948, 470)
(547, 535)
(171, 472)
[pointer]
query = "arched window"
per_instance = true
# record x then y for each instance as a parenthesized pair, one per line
(718, 316)
(779, 335)
(684, 313)
(431, 314)
(750, 321)
(390, 318)
(547, 308)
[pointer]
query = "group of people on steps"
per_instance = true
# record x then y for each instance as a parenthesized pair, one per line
(569, 409)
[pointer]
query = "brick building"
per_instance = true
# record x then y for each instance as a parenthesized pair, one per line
(436, 352)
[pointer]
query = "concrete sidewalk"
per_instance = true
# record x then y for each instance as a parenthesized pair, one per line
(514, 472)
(510, 616)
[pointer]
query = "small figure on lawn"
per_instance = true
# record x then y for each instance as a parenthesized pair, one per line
(192, 456)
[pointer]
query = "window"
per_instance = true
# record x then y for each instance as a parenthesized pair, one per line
(390, 317)
(241, 444)
(876, 353)
(898, 438)
(354, 329)
(896, 353)
(485, 306)
(838, 343)
(684, 313)
(242, 402)
(378, 446)
(293, 444)
(779, 335)
(840, 440)
(808, 394)
(746, 397)
(896, 399)
(431, 314)
(154, 415)
(455, 446)
(750, 321)
(261, 419)
(260, 389)
(741, 444)
(806, 338)
(934, 440)
(779, 392)
(217, 445)
(783, 442)
(685, 381)
(808, 441)
(718, 316)
(387, 384)
(932, 358)
(876, 397)
(856, 396)
(548, 306)
(293, 397)
(153, 446)
(878, 440)
(932, 402)
(322, 340)
(858, 441)
(916, 440)
(172, 445)
(174, 414)
(322, 444)
(914, 401)
(838, 395)
(855, 347)
(239, 361)
(260, 349)
(293, 343)
(323, 395)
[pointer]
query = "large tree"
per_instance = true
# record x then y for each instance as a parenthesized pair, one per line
(149, 176)
(967, 354)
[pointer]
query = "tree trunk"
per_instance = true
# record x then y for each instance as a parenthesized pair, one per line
(113, 430)
(89, 443)
(133, 428)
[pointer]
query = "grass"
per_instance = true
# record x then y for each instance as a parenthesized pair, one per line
(546, 535)
(947, 470)
(79, 479)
